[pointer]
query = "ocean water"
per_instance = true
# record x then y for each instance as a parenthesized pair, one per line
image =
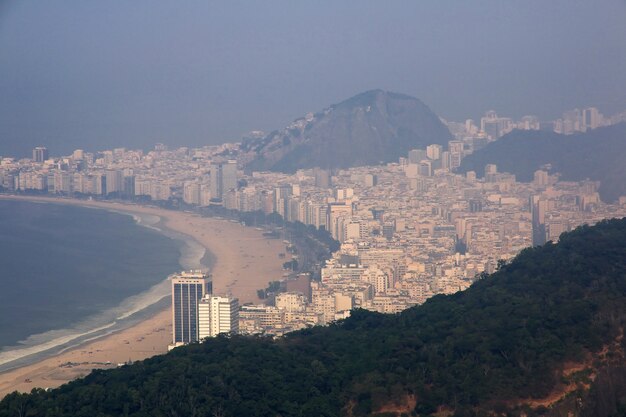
(70, 274)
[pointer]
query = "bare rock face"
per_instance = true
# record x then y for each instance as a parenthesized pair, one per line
(371, 128)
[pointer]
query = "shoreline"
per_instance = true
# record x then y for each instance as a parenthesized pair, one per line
(230, 247)
(130, 311)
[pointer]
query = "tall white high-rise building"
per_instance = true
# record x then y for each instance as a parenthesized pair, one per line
(188, 288)
(434, 151)
(223, 178)
(217, 315)
(40, 154)
(494, 126)
(114, 181)
(192, 192)
(591, 118)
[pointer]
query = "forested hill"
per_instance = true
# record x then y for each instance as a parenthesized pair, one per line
(598, 154)
(542, 336)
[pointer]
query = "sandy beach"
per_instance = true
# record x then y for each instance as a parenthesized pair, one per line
(244, 262)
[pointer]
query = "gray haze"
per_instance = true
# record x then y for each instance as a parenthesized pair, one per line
(97, 74)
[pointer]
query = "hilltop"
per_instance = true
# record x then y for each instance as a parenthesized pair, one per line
(368, 129)
(543, 336)
(597, 155)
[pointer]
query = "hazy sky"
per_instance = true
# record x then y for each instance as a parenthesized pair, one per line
(96, 74)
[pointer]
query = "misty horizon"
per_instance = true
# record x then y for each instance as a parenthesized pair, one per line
(96, 76)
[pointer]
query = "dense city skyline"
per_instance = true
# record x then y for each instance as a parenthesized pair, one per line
(405, 230)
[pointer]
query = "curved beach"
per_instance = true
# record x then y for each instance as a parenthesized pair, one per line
(243, 261)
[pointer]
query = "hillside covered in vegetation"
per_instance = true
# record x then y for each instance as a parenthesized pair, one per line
(541, 336)
(368, 129)
(598, 155)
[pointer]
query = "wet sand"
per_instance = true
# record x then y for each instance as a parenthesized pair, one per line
(244, 261)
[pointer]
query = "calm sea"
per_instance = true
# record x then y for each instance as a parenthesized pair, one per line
(64, 266)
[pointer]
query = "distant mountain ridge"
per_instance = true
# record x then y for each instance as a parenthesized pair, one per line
(370, 128)
(598, 155)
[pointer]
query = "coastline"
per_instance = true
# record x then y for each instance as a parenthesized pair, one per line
(232, 250)
(130, 311)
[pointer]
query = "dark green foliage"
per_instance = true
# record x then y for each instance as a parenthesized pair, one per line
(291, 265)
(598, 155)
(300, 229)
(273, 287)
(504, 338)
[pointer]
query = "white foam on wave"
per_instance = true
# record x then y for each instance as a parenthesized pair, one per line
(113, 319)
(145, 220)
(95, 326)
(16, 354)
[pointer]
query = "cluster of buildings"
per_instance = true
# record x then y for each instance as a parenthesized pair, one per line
(581, 120)
(408, 230)
(196, 176)
(196, 312)
(493, 127)
(405, 235)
